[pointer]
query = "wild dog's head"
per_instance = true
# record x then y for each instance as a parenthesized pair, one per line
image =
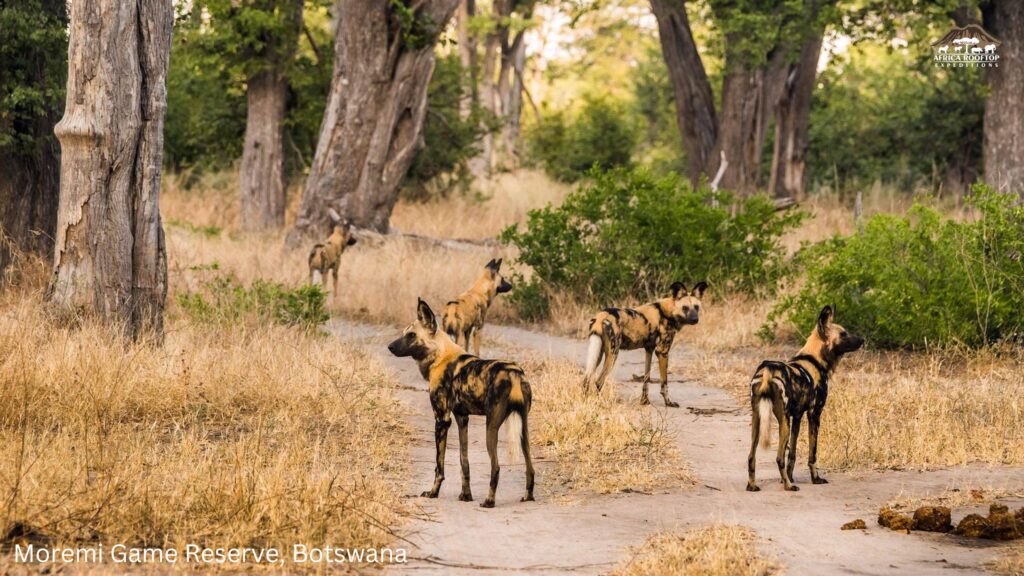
(342, 234)
(830, 341)
(421, 339)
(492, 271)
(686, 303)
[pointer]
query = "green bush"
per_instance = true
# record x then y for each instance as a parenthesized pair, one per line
(224, 300)
(600, 135)
(921, 279)
(627, 233)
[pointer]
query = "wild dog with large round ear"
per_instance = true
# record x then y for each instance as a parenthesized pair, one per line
(326, 257)
(464, 317)
(788, 390)
(462, 385)
(652, 327)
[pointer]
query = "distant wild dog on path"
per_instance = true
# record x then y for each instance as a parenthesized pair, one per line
(652, 327)
(790, 389)
(462, 385)
(326, 257)
(464, 317)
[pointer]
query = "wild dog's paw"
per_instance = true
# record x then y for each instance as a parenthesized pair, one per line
(487, 504)
(671, 404)
(428, 494)
(753, 488)
(644, 400)
(465, 497)
(527, 498)
(819, 480)
(792, 488)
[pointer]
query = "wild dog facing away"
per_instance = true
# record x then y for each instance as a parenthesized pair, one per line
(325, 257)
(652, 327)
(464, 317)
(790, 389)
(462, 385)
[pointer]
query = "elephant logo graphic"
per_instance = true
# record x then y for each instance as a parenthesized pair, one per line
(972, 47)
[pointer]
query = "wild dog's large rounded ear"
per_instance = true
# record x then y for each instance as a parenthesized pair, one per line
(824, 319)
(699, 289)
(493, 265)
(426, 316)
(678, 290)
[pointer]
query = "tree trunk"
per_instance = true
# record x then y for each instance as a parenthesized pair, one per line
(261, 179)
(467, 55)
(695, 104)
(742, 127)
(482, 164)
(510, 97)
(1004, 109)
(792, 121)
(373, 122)
(109, 257)
(30, 172)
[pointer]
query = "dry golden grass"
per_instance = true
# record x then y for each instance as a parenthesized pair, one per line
(1009, 562)
(258, 435)
(956, 497)
(599, 442)
(717, 550)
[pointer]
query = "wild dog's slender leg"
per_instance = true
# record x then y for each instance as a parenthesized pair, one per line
(526, 455)
(813, 421)
(441, 425)
(466, 334)
(755, 429)
(646, 378)
(780, 457)
(494, 420)
(476, 341)
(663, 369)
(463, 423)
(794, 434)
(334, 281)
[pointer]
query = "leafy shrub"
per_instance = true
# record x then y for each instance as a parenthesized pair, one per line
(628, 233)
(600, 135)
(920, 279)
(224, 300)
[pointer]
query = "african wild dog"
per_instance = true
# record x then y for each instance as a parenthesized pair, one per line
(327, 256)
(464, 317)
(464, 385)
(652, 327)
(789, 389)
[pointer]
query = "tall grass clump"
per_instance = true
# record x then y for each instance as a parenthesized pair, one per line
(221, 437)
(717, 550)
(629, 234)
(921, 279)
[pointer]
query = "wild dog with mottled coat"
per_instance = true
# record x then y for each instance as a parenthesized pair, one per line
(462, 385)
(464, 317)
(326, 257)
(788, 390)
(652, 327)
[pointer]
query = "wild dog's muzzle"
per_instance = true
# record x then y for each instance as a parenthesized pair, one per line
(400, 347)
(505, 286)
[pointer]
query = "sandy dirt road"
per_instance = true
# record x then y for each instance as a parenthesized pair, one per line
(591, 535)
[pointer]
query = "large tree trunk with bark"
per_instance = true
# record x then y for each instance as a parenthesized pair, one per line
(373, 123)
(262, 181)
(109, 258)
(510, 96)
(695, 104)
(743, 123)
(467, 55)
(792, 120)
(1004, 109)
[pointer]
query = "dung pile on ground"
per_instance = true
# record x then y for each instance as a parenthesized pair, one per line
(893, 520)
(999, 525)
(857, 524)
(932, 519)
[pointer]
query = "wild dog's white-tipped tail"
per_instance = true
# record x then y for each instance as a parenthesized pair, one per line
(514, 438)
(593, 355)
(764, 409)
(318, 278)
